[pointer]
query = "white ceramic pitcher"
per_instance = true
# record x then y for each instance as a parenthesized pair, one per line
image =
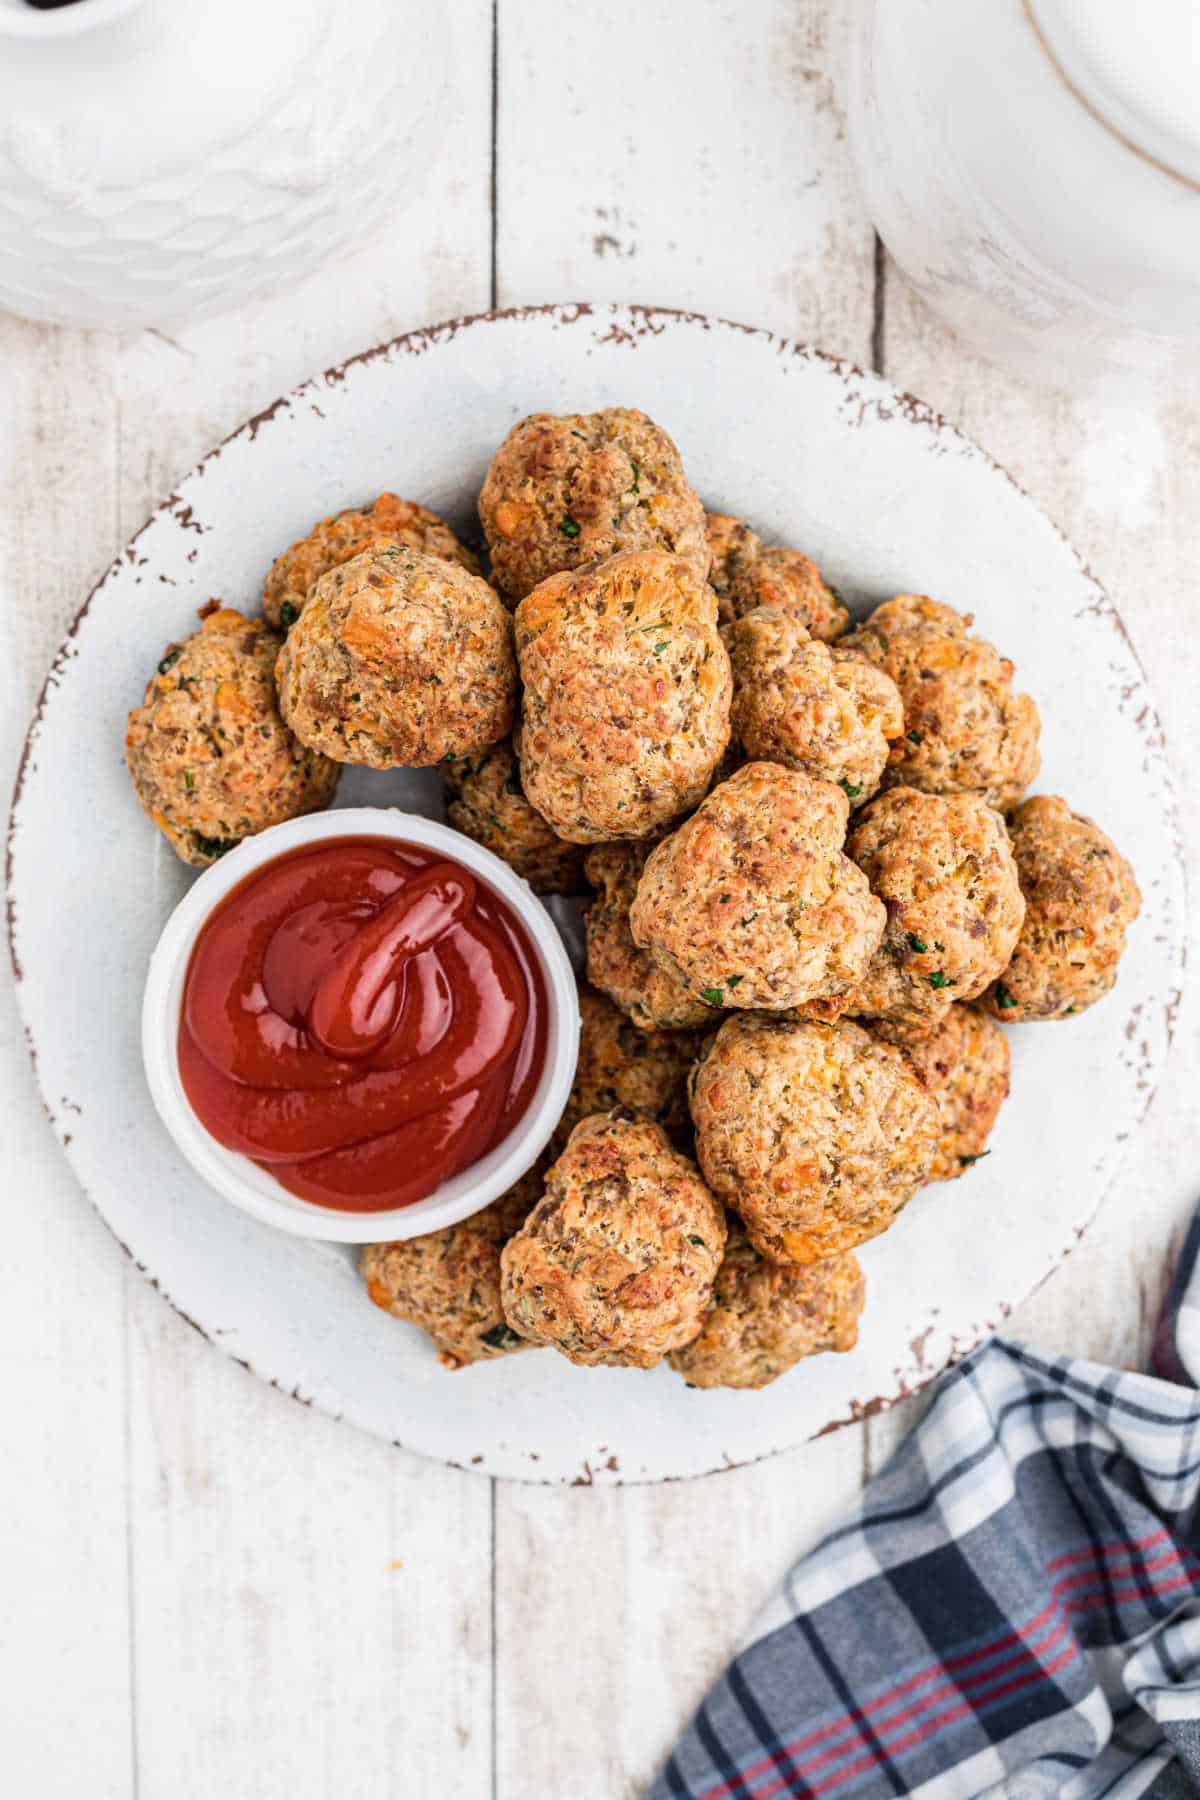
(1034, 168)
(167, 157)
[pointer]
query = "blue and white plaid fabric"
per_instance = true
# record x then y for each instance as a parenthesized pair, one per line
(1013, 1609)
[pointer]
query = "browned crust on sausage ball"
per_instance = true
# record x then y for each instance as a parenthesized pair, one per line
(764, 1317)
(387, 520)
(562, 492)
(816, 1134)
(644, 1072)
(616, 1263)
(448, 1282)
(654, 997)
(944, 869)
(747, 574)
(1080, 898)
(211, 759)
(751, 902)
(627, 688)
(485, 801)
(964, 1063)
(829, 713)
(398, 660)
(966, 731)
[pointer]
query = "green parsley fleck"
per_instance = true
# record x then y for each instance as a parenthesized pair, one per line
(1003, 998)
(288, 614)
(940, 980)
(496, 825)
(169, 661)
(725, 898)
(434, 680)
(449, 756)
(732, 980)
(213, 847)
(978, 1157)
(850, 789)
(940, 947)
(754, 1080)
(637, 478)
(659, 648)
(569, 527)
(914, 943)
(693, 1239)
(749, 919)
(188, 781)
(713, 996)
(501, 1337)
(914, 737)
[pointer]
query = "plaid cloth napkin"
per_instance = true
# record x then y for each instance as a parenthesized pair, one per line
(1013, 1608)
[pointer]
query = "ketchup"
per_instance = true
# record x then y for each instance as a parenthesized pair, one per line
(364, 1019)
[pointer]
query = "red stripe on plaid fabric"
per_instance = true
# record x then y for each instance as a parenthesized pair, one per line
(1109, 1546)
(1036, 1668)
(959, 1711)
(1089, 1602)
(890, 1745)
(870, 1758)
(1023, 1637)
(1171, 1559)
(847, 1722)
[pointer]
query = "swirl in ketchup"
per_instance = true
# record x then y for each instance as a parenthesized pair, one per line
(364, 1019)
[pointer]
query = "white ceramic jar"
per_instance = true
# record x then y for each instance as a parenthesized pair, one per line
(1034, 168)
(160, 158)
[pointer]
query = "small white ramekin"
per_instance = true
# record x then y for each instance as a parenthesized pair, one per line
(254, 1190)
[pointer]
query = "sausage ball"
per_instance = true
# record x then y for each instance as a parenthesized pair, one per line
(747, 574)
(644, 1072)
(655, 998)
(448, 1282)
(627, 689)
(486, 802)
(964, 1063)
(398, 660)
(564, 492)
(826, 712)
(388, 520)
(816, 1134)
(944, 869)
(211, 759)
(751, 903)
(966, 732)
(616, 1263)
(1080, 896)
(764, 1317)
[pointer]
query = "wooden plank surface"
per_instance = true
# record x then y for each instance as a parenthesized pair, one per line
(64, 1626)
(218, 1590)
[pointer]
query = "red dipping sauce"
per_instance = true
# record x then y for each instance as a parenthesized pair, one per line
(364, 1019)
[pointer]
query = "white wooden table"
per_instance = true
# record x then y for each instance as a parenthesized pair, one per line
(207, 1589)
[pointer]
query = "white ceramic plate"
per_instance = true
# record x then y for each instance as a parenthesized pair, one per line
(887, 498)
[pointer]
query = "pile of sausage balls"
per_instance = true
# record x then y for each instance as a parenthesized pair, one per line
(814, 892)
